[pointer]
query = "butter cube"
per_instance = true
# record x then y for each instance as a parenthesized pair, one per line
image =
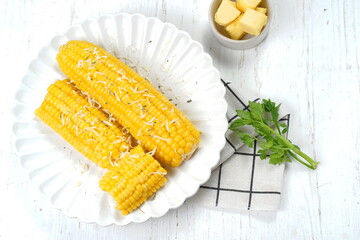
(253, 21)
(234, 29)
(242, 5)
(226, 13)
(262, 10)
(233, 3)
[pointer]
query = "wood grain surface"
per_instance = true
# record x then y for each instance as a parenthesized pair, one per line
(310, 62)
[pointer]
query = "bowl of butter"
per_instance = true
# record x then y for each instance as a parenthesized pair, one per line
(240, 24)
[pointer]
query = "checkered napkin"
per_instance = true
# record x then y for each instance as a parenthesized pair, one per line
(242, 180)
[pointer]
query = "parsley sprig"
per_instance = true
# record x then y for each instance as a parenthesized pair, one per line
(264, 118)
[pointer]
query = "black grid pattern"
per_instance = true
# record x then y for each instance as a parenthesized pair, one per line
(245, 152)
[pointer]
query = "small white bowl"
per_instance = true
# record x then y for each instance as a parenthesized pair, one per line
(249, 41)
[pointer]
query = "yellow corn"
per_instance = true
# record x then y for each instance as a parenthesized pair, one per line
(150, 118)
(80, 122)
(133, 180)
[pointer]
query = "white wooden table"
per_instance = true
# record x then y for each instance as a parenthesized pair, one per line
(310, 62)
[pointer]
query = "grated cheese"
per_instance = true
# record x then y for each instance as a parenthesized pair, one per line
(128, 140)
(89, 77)
(112, 163)
(161, 138)
(135, 90)
(111, 159)
(117, 97)
(111, 118)
(139, 132)
(119, 79)
(76, 130)
(118, 141)
(141, 107)
(162, 173)
(151, 121)
(91, 129)
(107, 123)
(106, 111)
(88, 98)
(80, 64)
(103, 82)
(136, 102)
(122, 89)
(123, 154)
(167, 126)
(152, 152)
(142, 115)
(132, 80)
(125, 131)
(84, 168)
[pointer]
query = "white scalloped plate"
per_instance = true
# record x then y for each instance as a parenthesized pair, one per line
(171, 60)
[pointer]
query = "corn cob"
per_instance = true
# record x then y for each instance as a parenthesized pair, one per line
(148, 115)
(81, 123)
(133, 180)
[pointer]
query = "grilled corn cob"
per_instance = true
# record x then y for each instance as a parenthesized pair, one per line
(133, 180)
(80, 122)
(151, 119)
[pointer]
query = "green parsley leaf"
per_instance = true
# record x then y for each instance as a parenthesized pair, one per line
(243, 114)
(247, 138)
(273, 145)
(263, 153)
(239, 122)
(256, 110)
